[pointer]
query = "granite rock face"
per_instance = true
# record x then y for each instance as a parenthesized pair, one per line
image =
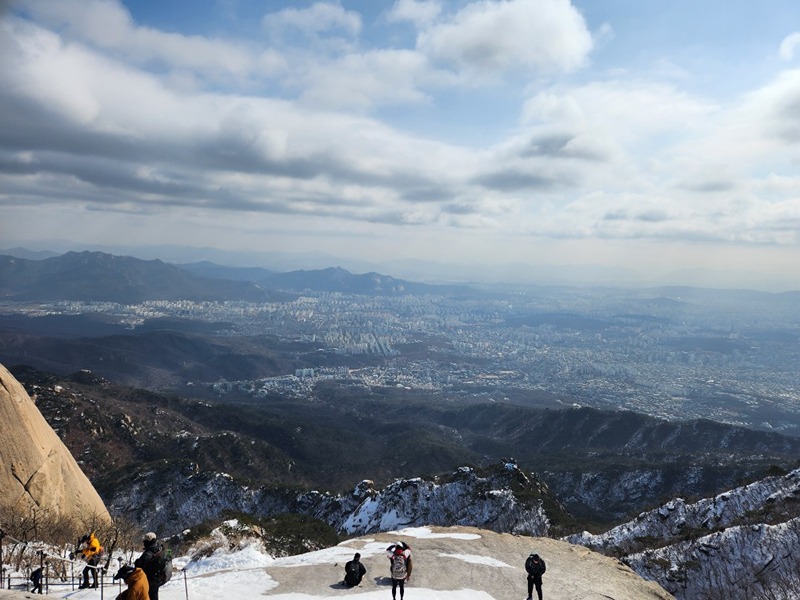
(36, 468)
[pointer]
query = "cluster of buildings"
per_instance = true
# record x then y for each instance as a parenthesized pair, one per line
(673, 358)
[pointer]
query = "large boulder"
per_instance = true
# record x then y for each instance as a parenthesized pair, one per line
(36, 469)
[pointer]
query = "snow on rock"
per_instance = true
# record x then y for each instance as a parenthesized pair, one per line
(752, 561)
(748, 552)
(465, 498)
(456, 563)
(673, 518)
(469, 500)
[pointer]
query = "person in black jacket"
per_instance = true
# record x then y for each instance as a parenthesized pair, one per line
(535, 567)
(149, 563)
(36, 580)
(354, 571)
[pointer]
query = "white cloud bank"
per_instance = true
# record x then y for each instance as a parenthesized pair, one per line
(426, 123)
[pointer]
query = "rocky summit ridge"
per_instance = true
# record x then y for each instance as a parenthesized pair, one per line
(501, 498)
(37, 470)
(467, 562)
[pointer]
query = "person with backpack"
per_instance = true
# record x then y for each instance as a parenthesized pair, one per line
(400, 566)
(90, 549)
(354, 571)
(36, 580)
(136, 580)
(535, 567)
(152, 561)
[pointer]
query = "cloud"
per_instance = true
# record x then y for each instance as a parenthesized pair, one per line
(101, 114)
(514, 179)
(488, 37)
(319, 18)
(103, 126)
(108, 25)
(782, 103)
(561, 145)
(789, 45)
(421, 13)
(625, 110)
(362, 81)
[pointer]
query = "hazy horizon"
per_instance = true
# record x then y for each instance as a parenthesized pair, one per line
(425, 270)
(646, 141)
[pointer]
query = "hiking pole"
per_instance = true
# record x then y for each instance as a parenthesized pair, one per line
(185, 584)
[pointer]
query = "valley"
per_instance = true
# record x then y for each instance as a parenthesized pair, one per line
(363, 401)
(673, 353)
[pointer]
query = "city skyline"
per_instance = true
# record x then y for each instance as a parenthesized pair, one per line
(652, 138)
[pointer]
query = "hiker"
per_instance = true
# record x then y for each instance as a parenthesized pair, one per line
(90, 549)
(400, 567)
(36, 580)
(150, 563)
(354, 571)
(535, 567)
(136, 580)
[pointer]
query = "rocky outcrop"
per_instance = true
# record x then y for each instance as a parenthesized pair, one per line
(37, 470)
(464, 562)
(738, 544)
(502, 498)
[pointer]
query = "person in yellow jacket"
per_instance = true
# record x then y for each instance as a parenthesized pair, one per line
(90, 549)
(136, 580)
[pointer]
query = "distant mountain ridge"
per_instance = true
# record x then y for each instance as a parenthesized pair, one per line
(330, 279)
(336, 279)
(205, 268)
(99, 277)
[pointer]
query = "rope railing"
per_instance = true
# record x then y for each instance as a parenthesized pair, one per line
(47, 578)
(43, 555)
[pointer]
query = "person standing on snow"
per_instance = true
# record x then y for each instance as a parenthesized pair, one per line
(149, 563)
(535, 567)
(400, 567)
(90, 549)
(36, 580)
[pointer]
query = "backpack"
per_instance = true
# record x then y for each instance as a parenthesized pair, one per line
(163, 560)
(399, 566)
(353, 573)
(535, 569)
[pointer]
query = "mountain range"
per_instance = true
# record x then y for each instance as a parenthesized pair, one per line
(530, 466)
(602, 466)
(736, 544)
(99, 277)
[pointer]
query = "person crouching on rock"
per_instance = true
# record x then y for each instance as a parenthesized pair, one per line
(136, 580)
(354, 571)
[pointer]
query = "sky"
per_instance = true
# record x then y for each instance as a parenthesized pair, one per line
(658, 137)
